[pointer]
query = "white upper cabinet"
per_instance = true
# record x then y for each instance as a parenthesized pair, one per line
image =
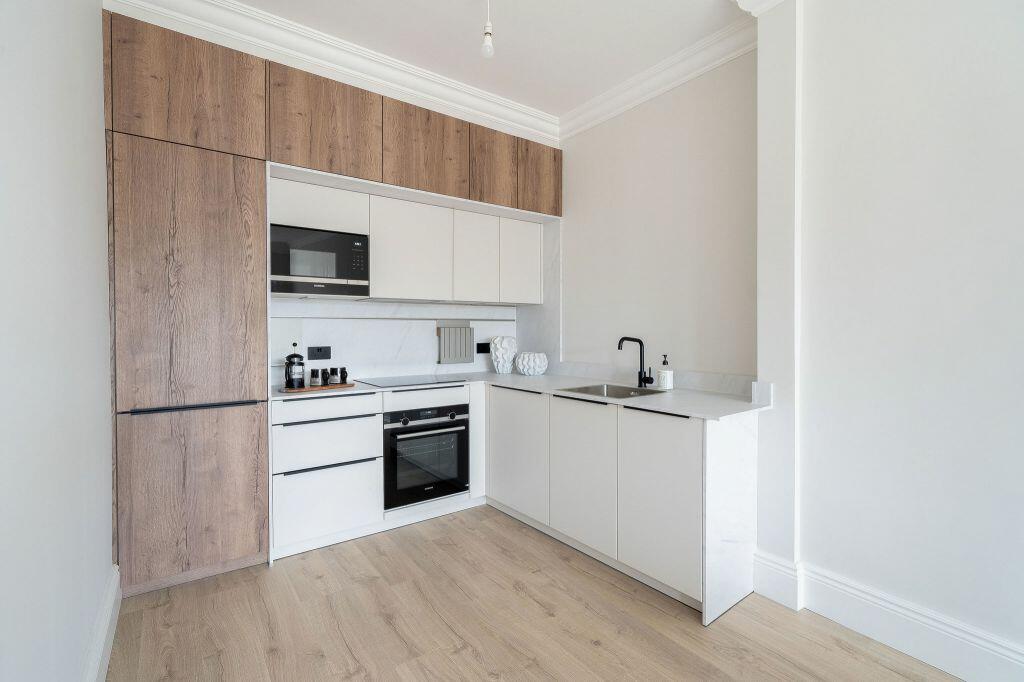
(583, 472)
(521, 271)
(660, 500)
(323, 208)
(410, 250)
(475, 277)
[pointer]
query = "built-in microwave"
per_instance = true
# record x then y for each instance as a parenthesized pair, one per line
(309, 262)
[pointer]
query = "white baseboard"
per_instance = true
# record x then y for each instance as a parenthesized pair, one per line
(958, 648)
(777, 579)
(103, 631)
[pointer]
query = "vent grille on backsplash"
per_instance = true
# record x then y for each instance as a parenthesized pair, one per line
(454, 342)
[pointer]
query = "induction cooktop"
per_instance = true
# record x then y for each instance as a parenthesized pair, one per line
(393, 382)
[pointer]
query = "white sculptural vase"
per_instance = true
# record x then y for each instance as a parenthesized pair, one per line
(531, 364)
(503, 351)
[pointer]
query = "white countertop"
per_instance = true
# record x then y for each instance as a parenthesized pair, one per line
(686, 402)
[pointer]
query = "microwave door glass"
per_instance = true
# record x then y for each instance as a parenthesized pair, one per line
(307, 263)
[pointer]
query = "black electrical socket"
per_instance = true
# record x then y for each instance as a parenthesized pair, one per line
(483, 347)
(318, 353)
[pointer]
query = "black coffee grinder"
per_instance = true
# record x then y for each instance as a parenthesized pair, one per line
(295, 369)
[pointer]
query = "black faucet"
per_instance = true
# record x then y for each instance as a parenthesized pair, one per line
(642, 378)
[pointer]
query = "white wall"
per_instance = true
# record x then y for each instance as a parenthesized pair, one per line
(913, 325)
(55, 490)
(658, 236)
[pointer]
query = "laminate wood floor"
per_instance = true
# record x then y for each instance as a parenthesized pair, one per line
(471, 595)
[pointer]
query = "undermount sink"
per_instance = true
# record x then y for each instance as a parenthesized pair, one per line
(612, 391)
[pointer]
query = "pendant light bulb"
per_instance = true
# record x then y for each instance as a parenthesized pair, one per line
(487, 49)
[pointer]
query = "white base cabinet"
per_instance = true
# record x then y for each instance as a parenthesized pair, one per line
(583, 472)
(322, 502)
(660, 475)
(517, 450)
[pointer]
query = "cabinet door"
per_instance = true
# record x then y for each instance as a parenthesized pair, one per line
(660, 497)
(319, 123)
(517, 451)
(192, 492)
(476, 257)
(521, 252)
(493, 170)
(425, 150)
(190, 271)
(583, 472)
(410, 250)
(174, 87)
(540, 178)
(322, 208)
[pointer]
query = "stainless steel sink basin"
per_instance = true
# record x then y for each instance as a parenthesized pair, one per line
(612, 391)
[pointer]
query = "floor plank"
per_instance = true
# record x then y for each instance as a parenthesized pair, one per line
(470, 596)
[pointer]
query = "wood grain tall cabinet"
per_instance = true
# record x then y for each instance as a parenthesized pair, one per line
(187, 197)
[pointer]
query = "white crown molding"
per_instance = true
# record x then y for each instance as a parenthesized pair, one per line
(757, 7)
(956, 647)
(734, 40)
(233, 24)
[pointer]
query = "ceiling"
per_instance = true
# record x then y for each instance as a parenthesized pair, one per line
(552, 55)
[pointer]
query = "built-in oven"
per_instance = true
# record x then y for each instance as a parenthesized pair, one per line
(426, 454)
(309, 262)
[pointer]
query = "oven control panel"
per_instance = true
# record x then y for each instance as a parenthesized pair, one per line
(406, 417)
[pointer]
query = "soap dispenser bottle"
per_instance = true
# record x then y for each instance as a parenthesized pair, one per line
(665, 375)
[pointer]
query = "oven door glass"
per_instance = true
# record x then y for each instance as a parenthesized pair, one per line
(426, 462)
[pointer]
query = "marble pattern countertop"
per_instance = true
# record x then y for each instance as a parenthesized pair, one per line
(691, 403)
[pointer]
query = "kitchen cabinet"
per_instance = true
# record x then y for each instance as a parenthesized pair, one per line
(539, 178)
(192, 493)
(521, 253)
(517, 451)
(583, 472)
(300, 204)
(425, 150)
(190, 268)
(323, 502)
(476, 259)
(660, 497)
(177, 88)
(493, 171)
(108, 113)
(410, 250)
(325, 442)
(319, 123)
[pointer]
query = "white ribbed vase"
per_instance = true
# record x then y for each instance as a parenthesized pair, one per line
(503, 351)
(531, 364)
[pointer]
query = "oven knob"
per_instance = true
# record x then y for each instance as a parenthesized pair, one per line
(405, 421)
(451, 415)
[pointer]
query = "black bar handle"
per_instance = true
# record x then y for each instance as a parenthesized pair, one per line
(200, 406)
(327, 397)
(667, 414)
(330, 466)
(582, 400)
(328, 419)
(521, 390)
(429, 388)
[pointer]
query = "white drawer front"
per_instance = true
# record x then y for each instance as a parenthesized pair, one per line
(314, 444)
(429, 397)
(326, 501)
(308, 409)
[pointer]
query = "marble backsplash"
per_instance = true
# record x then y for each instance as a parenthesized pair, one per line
(373, 338)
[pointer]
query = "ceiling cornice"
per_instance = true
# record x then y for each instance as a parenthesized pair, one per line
(734, 40)
(757, 7)
(235, 25)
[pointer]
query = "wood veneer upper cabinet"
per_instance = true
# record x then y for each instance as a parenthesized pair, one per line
(174, 87)
(190, 265)
(108, 114)
(192, 492)
(540, 178)
(425, 150)
(319, 123)
(493, 166)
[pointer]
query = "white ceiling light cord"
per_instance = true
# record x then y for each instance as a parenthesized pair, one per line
(487, 49)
